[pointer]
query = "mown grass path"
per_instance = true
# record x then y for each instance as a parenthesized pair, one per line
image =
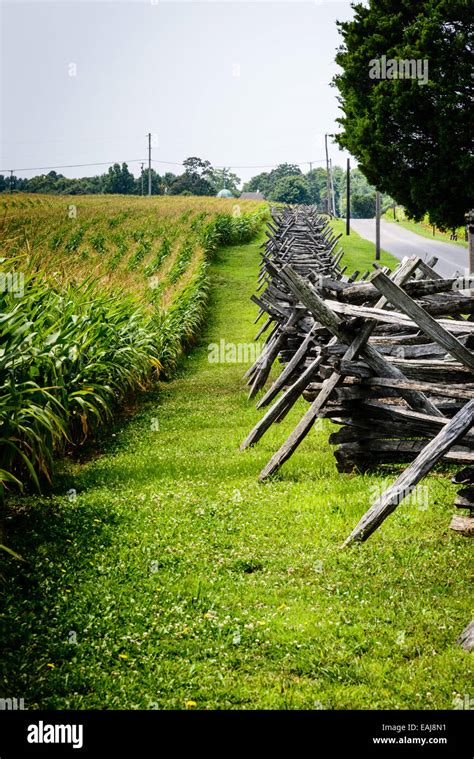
(174, 580)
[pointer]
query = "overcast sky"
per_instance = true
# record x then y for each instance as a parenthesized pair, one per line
(241, 84)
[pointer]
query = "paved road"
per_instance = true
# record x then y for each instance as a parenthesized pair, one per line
(401, 242)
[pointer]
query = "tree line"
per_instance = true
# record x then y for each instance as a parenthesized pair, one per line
(198, 178)
(286, 184)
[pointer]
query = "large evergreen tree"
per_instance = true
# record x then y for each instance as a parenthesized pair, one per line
(411, 140)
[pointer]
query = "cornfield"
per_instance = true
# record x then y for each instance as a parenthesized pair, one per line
(98, 296)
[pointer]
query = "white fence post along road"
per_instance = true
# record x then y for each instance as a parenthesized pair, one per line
(400, 242)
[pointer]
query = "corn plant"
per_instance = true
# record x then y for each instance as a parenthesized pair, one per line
(80, 339)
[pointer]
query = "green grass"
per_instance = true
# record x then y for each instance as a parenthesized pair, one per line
(175, 580)
(425, 230)
(359, 253)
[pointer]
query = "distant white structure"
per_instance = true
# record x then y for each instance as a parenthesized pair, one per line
(224, 193)
(252, 196)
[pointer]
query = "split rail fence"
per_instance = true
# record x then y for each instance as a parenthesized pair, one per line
(387, 357)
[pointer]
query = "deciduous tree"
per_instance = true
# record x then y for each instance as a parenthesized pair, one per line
(291, 189)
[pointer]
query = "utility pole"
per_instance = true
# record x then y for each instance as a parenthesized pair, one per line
(333, 197)
(377, 226)
(142, 178)
(470, 233)
(328, 187)
(348, 197)
(149, 163)
(11, 181)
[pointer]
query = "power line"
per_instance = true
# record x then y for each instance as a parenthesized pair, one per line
(75, 165)
(168, 163)
(57, 142)
(271, 166)
(255, 166)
